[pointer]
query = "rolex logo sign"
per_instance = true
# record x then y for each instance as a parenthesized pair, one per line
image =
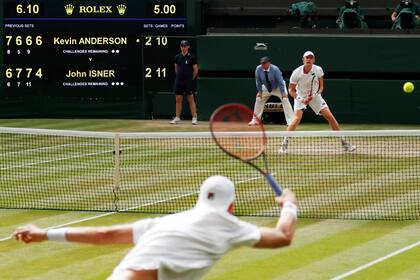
(69, 9)
(121, 9)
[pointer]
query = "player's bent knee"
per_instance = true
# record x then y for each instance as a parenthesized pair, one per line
(329, 117)
(298, 115)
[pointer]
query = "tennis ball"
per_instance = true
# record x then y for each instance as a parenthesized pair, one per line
(408, 87)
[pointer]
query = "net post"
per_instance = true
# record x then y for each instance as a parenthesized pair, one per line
(117, 169)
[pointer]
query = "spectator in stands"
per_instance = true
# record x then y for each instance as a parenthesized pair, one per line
(351, 16)
(406, 15)
(306, 11)
(269, 81)
(186, 70)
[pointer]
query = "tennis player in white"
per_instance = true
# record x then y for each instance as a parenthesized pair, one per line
(183, 245)
(300, 89)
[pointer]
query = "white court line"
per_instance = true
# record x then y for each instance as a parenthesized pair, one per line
(34, 150)
(53, 160)
(54, 147)
(61, 159)
(372, 263)
(109, 213)
(130, 208)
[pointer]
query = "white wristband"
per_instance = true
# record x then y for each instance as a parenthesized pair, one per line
(289, 208)
(58, 234)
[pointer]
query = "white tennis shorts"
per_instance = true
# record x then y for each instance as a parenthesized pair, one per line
(317, 104)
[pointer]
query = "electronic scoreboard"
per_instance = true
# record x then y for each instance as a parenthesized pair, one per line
(94, 51)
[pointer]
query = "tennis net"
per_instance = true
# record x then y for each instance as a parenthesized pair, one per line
(162, 172)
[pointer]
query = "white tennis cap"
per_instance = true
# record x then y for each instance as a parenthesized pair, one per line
(216, 192)
(308, 53)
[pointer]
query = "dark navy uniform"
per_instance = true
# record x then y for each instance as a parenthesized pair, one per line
(184, 83)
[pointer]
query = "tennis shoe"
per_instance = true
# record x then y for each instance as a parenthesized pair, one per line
(283, 148)
(348, 147)
(194, 121)
(253, 122)
(176, 120)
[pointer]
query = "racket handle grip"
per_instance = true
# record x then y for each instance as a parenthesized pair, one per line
(273, 183)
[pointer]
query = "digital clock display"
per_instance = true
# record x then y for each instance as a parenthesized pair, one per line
(90, 50)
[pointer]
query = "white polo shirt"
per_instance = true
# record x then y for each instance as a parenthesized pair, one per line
(303, 81)
(187, 244)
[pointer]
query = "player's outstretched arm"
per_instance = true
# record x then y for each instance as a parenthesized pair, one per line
(282, 234)
(120, 234)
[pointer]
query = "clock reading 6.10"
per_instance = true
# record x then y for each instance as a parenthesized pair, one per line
(27, 9)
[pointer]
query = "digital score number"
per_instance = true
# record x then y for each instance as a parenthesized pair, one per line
(14, 76)
(23, 9)
(23, 72)
(159, 72)
(31, 9)
(164, 9)
(19, 40)
(158, 59)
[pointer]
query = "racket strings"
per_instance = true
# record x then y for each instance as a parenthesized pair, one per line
(233, 134)
(244, 147)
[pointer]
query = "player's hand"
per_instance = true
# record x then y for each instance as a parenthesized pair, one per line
(307, 100)
(30, 233)
(259, 94)
(287, 195)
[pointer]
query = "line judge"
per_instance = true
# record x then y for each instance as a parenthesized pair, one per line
(269, 81)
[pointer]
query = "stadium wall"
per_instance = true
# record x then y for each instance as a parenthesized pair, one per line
(352, 101)
(364, 74)
(1, 50)
(364, 78)
(335, 52)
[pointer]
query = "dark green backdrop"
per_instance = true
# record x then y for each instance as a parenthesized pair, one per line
(344, 53)
(364, 77)
(378, 65)
(352, 101)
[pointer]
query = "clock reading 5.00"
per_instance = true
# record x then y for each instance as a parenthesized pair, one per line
(164, 9)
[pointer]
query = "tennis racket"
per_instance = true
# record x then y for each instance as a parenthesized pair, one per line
(230, 130)
(314, 85)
